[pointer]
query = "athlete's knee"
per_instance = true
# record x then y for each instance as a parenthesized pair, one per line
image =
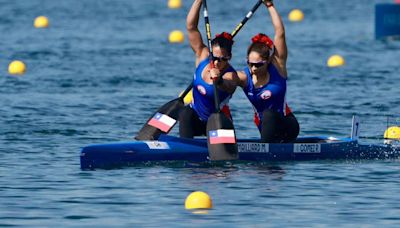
(270, 131)
(293, 128)
(186, 114)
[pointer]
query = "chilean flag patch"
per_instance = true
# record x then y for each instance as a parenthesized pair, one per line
(222, 136)
(201, 90)
(162, 122)
(266, 95)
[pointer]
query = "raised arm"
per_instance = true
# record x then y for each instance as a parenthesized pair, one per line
(194, 35)
(281, 51)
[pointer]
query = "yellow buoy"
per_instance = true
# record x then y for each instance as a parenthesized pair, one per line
(335, 61)
(174, 4)
(198, 200)
(392, 132)
(296, 15)
(188, 98)
(41, 22)
(176, 36)
(16, 67)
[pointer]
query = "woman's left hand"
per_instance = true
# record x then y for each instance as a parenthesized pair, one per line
(268, 3)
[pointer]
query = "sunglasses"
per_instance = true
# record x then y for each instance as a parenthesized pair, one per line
(257, 65)
(220, 59)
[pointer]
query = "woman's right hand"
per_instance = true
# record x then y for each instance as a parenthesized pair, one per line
(214, 74)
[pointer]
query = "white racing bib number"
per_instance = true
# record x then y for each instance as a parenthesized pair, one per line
(253, 147)
(307, 148)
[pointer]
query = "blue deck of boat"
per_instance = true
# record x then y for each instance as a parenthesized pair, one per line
(169, 148)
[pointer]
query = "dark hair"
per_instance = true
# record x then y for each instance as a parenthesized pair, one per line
(260, 48)
(223, 40)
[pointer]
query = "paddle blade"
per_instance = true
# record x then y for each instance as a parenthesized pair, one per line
(162, 121)
(221, 138)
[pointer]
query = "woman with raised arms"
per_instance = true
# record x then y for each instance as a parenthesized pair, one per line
(193, 118)
(264, 83)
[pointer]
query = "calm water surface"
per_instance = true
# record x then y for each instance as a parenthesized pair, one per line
(103, 67)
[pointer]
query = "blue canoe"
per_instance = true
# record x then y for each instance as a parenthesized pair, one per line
(170, 148)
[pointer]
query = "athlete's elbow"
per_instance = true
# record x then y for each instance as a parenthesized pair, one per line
(191, 27)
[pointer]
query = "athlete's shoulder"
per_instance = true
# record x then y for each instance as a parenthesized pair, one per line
(280, 68)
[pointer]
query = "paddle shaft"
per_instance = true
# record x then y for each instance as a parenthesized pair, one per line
(246, 18)
(211, 56)
(208, 31)
(221, 140)
(187, 90)
(234, 33)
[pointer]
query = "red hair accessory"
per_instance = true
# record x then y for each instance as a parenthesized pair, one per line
(264, 39)
(225, 35)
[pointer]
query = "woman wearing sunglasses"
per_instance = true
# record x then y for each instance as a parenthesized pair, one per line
(193, 118)
(264, 83)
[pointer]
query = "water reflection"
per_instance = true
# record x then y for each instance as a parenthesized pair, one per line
(274, 171)
(227, 170)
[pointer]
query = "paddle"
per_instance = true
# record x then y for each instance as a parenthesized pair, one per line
(221, 140)
(165, 117)
(246, 18)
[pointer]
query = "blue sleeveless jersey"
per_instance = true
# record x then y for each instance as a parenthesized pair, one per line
(203, 93)
(271, 96)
